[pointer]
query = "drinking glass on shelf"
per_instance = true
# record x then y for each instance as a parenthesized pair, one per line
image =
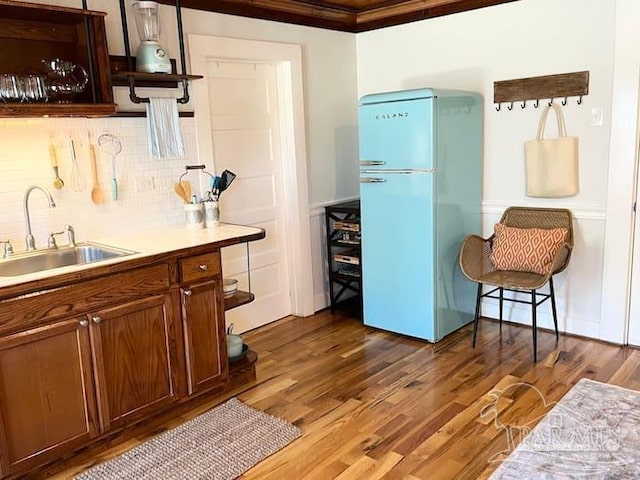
(33, 88)
(9, 87)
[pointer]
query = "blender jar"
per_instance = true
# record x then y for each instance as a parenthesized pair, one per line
(151, 57)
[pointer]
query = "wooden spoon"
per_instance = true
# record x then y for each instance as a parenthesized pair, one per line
(97, 196)
(186, 187)
(180, 192)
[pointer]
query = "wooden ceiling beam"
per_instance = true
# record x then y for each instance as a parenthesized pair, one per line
(344, 15)
(366, 21)
(280, 11)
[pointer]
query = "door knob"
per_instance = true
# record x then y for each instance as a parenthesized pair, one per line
(187, 292)
(84, 323)
(96, 319)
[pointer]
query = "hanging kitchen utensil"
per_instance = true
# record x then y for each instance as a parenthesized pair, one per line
(111, 145)
(97, 196)
(77, 182)
(57, 182)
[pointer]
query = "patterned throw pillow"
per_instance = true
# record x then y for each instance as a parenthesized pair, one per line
(526, 249)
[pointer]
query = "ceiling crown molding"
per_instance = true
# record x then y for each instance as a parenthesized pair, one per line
(343, 15)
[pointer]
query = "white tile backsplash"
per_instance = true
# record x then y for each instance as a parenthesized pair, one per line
(24, 161)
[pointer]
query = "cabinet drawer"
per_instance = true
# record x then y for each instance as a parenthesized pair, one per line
(33, 309)
(200, 267)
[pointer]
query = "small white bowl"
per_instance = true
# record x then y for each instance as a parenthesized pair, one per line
(229, 286)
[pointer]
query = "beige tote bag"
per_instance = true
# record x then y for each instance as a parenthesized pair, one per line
(552, 164)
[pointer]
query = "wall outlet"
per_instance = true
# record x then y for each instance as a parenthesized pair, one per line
(144, 184)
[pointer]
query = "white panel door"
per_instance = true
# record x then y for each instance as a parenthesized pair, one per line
(245, 134)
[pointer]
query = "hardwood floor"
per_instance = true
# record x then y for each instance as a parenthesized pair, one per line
(372, 404)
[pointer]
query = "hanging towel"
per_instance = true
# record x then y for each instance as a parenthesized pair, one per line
(165, 138)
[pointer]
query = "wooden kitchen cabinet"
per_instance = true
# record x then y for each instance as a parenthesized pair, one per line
(47, 400)
(203, 322)
(204, 335)
(134, 356)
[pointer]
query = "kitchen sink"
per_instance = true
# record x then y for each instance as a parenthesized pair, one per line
(82, 253)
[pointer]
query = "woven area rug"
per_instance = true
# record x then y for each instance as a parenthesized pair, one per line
(219, 444)
(592, 433)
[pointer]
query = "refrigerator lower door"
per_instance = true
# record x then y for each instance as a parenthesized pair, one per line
(397, 252)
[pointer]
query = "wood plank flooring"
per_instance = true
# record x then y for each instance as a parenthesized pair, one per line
(372, 404)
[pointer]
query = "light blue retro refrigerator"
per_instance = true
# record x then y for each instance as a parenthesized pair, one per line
(420, 195)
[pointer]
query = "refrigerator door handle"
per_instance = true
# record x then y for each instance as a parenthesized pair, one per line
(372, 163)
(372, 180)
(402, 171)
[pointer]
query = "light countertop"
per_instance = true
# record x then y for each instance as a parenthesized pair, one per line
(144, 243)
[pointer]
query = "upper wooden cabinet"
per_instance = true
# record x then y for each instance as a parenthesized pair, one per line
(31, 33)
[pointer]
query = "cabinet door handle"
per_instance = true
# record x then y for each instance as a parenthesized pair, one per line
(203, 267)
(84, 323)
(187, 292)
(96, 319)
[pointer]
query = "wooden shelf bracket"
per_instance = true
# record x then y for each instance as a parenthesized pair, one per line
(550, 87)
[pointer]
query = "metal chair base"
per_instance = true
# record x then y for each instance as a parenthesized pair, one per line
(534, 302)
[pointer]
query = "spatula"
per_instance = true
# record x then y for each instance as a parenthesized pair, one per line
(226, 177)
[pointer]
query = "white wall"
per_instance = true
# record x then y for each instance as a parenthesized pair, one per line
(527, 38)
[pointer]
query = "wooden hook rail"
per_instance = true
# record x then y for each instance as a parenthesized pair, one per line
(535, 88)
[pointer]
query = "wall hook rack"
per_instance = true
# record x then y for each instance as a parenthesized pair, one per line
(565, 85)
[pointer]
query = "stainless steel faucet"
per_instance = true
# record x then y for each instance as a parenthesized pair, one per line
(29, 240)
(71, 237)
(7, 249)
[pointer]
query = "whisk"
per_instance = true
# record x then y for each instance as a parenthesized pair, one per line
(77, 182)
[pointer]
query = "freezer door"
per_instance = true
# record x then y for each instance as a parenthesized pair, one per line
(397, 218)
(396, 135)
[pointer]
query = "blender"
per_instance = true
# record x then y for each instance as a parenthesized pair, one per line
(151, 57)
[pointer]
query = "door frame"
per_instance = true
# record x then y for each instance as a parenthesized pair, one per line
(287, 59)
(622, 192)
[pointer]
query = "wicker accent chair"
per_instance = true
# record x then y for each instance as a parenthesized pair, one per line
(476, 264)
